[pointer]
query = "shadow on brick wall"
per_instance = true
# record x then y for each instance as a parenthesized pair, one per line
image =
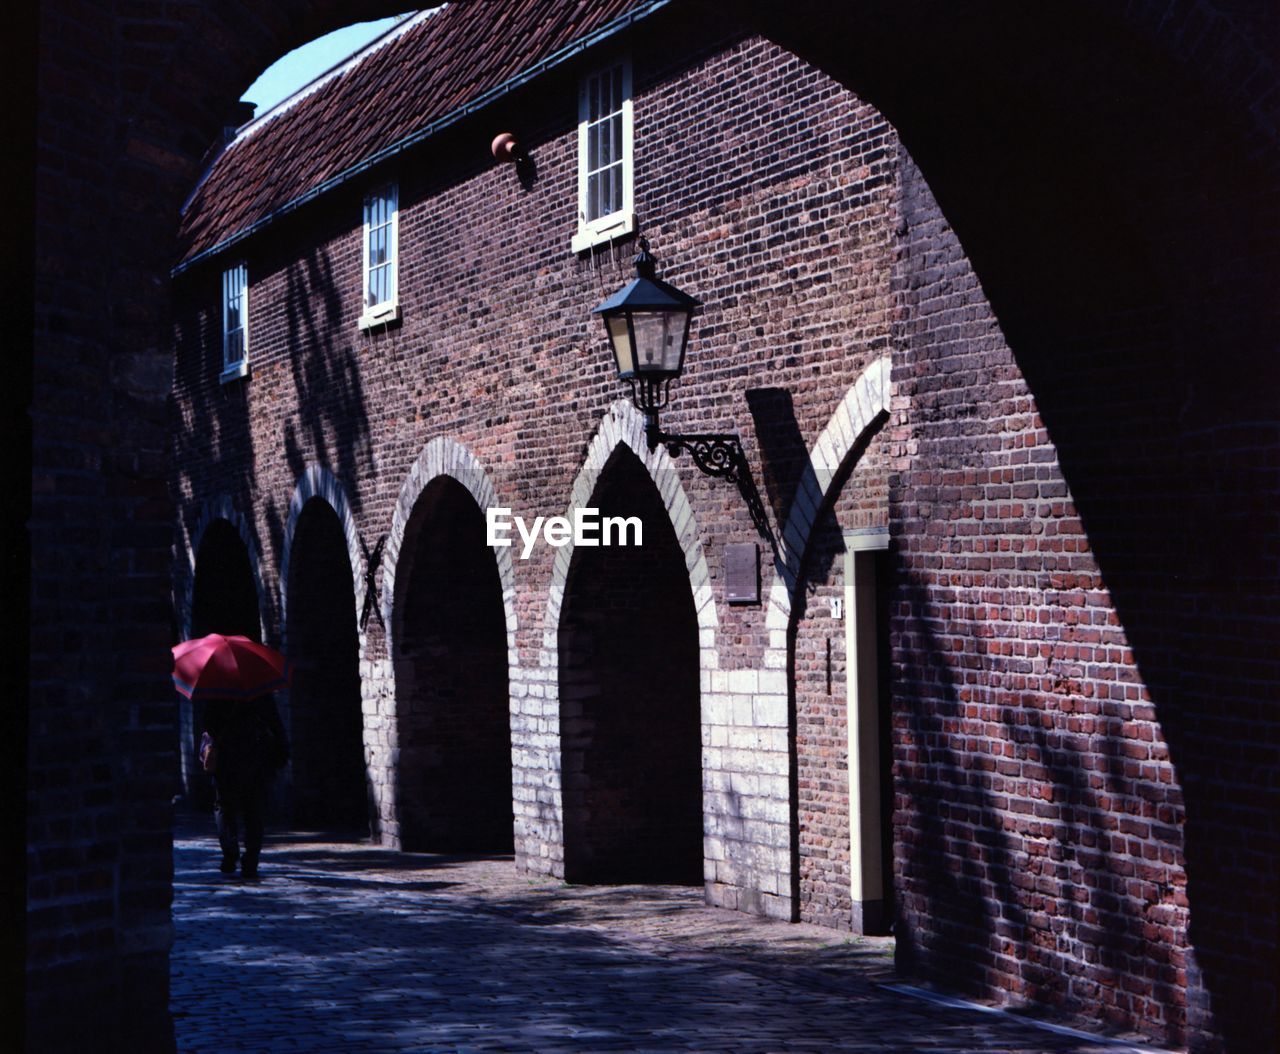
(1137, 306)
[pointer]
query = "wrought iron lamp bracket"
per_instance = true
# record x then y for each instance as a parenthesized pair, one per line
(717, 454)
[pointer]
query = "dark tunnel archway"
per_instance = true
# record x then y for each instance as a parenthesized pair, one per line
(328, 788)
(630, 717)
(452, 700)
(224, 599)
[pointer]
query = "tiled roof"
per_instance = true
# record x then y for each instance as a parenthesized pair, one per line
(415, 80)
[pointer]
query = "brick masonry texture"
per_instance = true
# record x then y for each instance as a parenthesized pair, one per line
(1078, 468)
(368, 408)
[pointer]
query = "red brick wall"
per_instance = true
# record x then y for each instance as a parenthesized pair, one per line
(1038, 812)
(128, 101)
(858, 500)
(785, 233)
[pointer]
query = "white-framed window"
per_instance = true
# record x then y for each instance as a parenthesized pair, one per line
(235, 322)
(381, 252)
(605, 136)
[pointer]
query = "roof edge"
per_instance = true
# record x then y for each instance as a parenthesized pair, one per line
(406, 23)
(555, 59)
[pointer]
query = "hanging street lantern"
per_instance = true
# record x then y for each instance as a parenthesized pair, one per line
(647, 322)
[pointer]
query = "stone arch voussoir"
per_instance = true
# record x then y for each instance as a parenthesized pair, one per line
(211, 510)
(624, 425)
(318, 482)
(863, 408)
(446, 457)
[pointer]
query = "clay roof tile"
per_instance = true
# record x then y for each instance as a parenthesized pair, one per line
(439, 63)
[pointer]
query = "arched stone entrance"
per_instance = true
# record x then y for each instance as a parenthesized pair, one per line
(449, 651)
(224, 599)
(630, 714)
(324, 707)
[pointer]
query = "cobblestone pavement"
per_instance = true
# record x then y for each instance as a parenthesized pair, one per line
(344, 946)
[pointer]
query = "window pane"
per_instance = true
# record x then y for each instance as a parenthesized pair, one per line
(616, 125)
(615, 186)
(606, 143)
(615, 76)
(593, 147)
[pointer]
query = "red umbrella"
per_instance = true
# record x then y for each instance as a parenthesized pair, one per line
(220, 667)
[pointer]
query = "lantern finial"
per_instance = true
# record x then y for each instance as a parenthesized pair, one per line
(646, 265)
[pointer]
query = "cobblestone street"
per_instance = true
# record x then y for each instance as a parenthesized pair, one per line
(342, 946)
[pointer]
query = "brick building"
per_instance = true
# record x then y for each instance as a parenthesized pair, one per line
(982, 424)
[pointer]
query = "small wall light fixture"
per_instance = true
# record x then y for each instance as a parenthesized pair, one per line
(507, 148)
(647, 322)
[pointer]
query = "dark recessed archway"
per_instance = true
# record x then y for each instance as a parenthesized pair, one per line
(630, 718)
(452, 699)
(327, 725)
(224, 599)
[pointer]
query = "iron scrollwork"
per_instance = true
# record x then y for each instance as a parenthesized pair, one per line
(720, 455)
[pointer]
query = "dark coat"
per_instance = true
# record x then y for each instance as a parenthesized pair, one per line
(249, 738)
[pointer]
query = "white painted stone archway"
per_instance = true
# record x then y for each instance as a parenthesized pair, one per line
(441, 456)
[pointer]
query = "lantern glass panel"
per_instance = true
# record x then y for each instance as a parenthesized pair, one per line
(620, 338)
(659, 335)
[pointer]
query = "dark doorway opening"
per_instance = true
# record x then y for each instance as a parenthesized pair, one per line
(452, 698)
(329, 788)
(224, 599)
(630, 709)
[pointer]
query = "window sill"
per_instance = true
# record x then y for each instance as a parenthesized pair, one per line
(604, 231)
(234, 372)
(383, 315)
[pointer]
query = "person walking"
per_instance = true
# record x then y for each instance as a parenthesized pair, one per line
(250, 746)
(243, 742)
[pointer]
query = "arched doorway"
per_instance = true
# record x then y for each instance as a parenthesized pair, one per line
(224, 599)
(630, 715)
(326, 722)
(452, 699)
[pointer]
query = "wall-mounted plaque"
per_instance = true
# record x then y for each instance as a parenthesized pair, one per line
(742, 573)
